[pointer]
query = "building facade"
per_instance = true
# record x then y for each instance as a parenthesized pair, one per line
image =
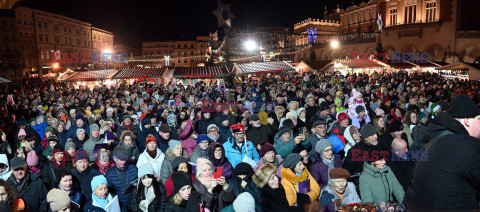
(181, 53)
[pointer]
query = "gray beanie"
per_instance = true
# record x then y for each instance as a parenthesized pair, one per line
(292, 160)
(80, 130)
(69, 145)
(144, 169)
(321, 145)
(94, 127)
(367, 130)
(244, 203)
(211, 126)
(173, 143)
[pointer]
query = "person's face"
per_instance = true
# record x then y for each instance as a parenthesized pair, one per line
(413, 118)
(20, 173)
(185, 192)
(344, 123)
(3, 194)
(327, 153)
(152, 146)
(424, 120)
(79, 122)
(413, 101)
(48, 134)
(127, 140)
(321, 129)
(356, 135)
(120, 163)
(127, 121)
(81, 135)
(52, 144)
(302, 114)
(269, 156)
(165, 136)
(213, 132)
(81, 165)
(339, 185)
(381, 123)
(203, 145)
(397, 134)
(286, 137)
(372, 139)
(66, 182)
(183, 167)
(218, 153)
(58, 156)
(402, 149)
(3, 168)
(273, 181)
(183, 115)
(177, 151)
(380, 164)
(398, 113)
(299, 167)
(207, 171)
(71, 151)
(225, 122)
(147, 182)
(95, 133)
(239, 136)
(473, 126)
(101, 191)
(305, 156)
(206, 115)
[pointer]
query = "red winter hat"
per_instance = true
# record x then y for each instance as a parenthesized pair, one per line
(237, 128)
(150, 138)
(266, 147)
(387, 100)
(342, 116)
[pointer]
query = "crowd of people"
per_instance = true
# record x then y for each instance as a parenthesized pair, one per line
(301, 142)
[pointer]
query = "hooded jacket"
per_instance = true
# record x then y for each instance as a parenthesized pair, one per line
(235, 155)
(461, 169)
(257, 135)
(284, 149)
(7, 172)
(223, 162)
(290, 183)
(154, 163)
(378, 186)
(350, 142)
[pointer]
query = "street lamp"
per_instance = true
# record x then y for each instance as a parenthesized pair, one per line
(250, 45)
(334, 44)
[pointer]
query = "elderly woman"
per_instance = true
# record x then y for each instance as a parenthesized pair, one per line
(272, 192)
(174, 150)
(294, 172)
(215, 193)
(379, 184)
(338, 189)
(325, 161)
(100, 195)
(269, 155)
(201, 151)
(216, 155)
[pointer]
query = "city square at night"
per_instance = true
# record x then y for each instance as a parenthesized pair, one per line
(241, 106)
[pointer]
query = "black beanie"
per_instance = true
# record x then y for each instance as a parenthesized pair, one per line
(283, 130)
(395, 126)
(462, 106)
(359, 109)
(289, 123)
(180, 179)
(298, 149)
(243, 169)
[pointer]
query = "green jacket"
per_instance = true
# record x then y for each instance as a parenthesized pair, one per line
(284, 149)
(378, 186)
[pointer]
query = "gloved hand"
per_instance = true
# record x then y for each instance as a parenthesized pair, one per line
(326, 198)
(303, 199)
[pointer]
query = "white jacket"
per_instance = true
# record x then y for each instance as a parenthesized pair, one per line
(155, 163)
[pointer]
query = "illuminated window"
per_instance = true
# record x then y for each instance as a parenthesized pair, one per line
(431, 11)
(410, 14)
(393, 16)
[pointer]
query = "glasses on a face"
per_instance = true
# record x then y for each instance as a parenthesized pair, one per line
(213, 131)
(328, 150)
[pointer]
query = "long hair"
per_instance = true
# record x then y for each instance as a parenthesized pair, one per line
(408, 120)
(380, 130)
(12, 196)
(141, 188)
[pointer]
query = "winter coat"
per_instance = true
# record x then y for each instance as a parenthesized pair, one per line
(275, 199)
(188, 142)
(154, 163)
(378, 186)
(216, 200)
(329, 120)
(89, 145)
(84, 179)
(349, 142)
(6, 174)
(133, 150)
(62, 137)
(142, 138)
(169, 184)
(357, 123)
(128, 174)
(72, 132)
(93, 206)
(223, 162)
(236, 183)
(198, 153)
(284, 149)
(261, 162)
(33, 192)
(235, 155)
(451, 174)
(290, 183)
(356, 165)
(417, 134)
(167, 168)
(257, 135)
(40, 128)
(192, 205)
(407, 131)
(49, 174)
(158, 203)
(76, 196)
(225, 131)
(203, 123)
(313, 141)
(319, 170)
(350, 197)
(403, 170)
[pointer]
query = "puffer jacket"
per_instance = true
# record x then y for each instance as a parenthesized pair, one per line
(84, 179)
(188, 141)
(216, 200)
(319, 169)
(235, 155)
(128, 174)
(378, 186)
(158, 203)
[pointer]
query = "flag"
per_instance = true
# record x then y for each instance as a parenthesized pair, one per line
(379, 22)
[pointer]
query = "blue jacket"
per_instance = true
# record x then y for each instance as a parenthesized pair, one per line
(83, 179)
(40, 128)
(128, 174)
(72, 132)
(235, 155)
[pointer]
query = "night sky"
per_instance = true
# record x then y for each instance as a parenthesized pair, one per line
(135, 21)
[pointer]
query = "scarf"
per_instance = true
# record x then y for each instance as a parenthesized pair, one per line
(275, 161)
(62, 164)
(103, 168)
(20, 184)
(102, 203)
(330, 163)
(35, 170)
(127, 126)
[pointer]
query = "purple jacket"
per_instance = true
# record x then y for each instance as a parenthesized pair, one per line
(223, 162)
(319, 170)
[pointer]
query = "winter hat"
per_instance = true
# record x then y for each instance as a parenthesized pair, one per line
(180, 179)
(421, 116)
(177, 161)
(146, 121)
(254, 117)
(434, 107)
(291, 114)
(121, 153)
(359, 109)
(283, 130)
(79, 116)
(173, 143)
(367, 130)
(80, 155)
(263, 174)
(338, 173)
(244, 203)
(110, 136)
(144, 169)
(22, 122)
(292, 160)
(80, 130)
(243, 169)
(321, 145)
(97, 181)
(289, 123)
(32, 159)
(48, 129)
(319, 122)
(266, 147)
(462, 106)
(298, 149)
(395, 126)
(211, 126)
(151, 138)
(164, 128)
(342, 116)
(58, 199)
(387, 99)
(94, 127)
(17, 162)
(52, 138)
(379, 112)
(58, 148)
(202, 137)
(223, 118)
(22, 132)
(69, 145)
(299, 110)
(324, 106)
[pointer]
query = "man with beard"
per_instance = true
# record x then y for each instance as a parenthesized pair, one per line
(258, 133)
(214, 135)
